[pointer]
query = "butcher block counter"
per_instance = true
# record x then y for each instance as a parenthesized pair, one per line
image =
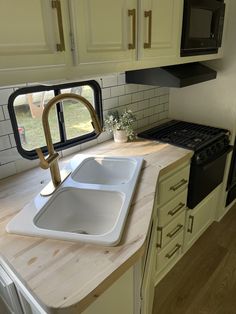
(69, 276)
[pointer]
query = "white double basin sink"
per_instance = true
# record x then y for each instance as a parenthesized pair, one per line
(91, 205)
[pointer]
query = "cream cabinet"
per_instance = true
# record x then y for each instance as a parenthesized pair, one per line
(171, 217)
(199, 218)
(160, 28)
(104, 30)
(125, 30)
(34, 41)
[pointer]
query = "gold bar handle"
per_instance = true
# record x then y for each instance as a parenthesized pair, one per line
(132, 13)
(191, 218)
(176, 230)
(172, 253)
(176, 209)
(148, 14)
(159, 244)
(178, 185)
(57, 5)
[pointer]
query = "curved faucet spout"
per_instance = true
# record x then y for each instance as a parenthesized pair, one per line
(52, 160)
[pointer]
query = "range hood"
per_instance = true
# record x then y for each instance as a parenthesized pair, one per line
(180, 75)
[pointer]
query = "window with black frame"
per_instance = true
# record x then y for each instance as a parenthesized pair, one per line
(69, 120)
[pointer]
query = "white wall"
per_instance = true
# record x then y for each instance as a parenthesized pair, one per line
(150, 104)
(213, 102)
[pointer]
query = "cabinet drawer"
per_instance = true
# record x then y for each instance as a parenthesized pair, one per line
(172, 209)
(173, 185)
(168, 233)
(170, 253)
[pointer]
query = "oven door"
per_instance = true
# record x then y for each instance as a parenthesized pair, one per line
(202, 26)
(205, 178)
(9, 301)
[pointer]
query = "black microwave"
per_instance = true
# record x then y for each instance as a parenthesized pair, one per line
(203, 22)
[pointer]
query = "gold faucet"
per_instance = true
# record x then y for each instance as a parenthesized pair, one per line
(52, 160)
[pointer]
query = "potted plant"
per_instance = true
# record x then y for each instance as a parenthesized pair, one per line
(121, 125)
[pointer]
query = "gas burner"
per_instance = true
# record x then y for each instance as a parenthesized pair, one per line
(184, 134)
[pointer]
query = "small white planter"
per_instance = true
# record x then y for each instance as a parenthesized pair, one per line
(120, 136)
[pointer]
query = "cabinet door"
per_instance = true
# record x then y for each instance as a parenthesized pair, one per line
(29, 32)
(103, 30)
(148, 283)
(160, 28)
(199, 219)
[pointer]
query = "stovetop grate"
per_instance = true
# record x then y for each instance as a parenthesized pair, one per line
(184, 134)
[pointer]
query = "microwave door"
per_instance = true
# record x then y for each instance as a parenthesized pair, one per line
(202, 25)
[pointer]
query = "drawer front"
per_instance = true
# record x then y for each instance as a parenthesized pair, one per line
(168, 233)
(170, 253)
(172, 209)
(173, 185)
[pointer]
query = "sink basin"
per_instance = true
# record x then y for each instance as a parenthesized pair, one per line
(91, 205)
(90, 212)
(105, 170)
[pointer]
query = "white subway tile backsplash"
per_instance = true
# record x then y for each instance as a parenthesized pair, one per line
(5, 142)
(1, 114)
(110, 103)
(121, 79)
(131, 88)
(5, 127)
(8, 155)
(154, 101)
(6, 112)
(117, 91)
(137, 96)
(7, 170)
(164, 99)
(142, 105)
(12, 140)
(125, 100)
(153, 118)
(163, 115)
(4, 95)
(162, 91)
(148, 103)
(147, 94)
(108, 81)
(106, 93)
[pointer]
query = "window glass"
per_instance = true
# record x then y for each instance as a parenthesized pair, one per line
(76, 116)
(28, 111)
(69, 120)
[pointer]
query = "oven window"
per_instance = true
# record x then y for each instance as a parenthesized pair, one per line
(200, 23)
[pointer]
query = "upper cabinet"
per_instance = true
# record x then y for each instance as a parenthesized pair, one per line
(43, 40)
(104, 30)
(160, 28)
(31, 33)
(32, 36)
(125, 30)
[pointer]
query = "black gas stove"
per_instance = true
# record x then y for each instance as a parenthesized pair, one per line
(210, 146)
(207, 142)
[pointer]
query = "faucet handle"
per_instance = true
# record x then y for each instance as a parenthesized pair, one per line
(45, 163)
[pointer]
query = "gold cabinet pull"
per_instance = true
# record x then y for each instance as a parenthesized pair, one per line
(176, 230)
(172, 253)
(176, 209)
(132, 13)
(191, 218)
(178, 185)
(148, 14)
(159, 244)
(57, 5)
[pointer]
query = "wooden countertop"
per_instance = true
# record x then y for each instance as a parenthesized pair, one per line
(70, 276)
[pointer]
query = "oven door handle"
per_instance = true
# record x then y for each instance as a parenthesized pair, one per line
(208, 164)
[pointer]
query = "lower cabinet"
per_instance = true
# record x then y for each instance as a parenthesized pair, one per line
(199, 219)
(117, 299)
